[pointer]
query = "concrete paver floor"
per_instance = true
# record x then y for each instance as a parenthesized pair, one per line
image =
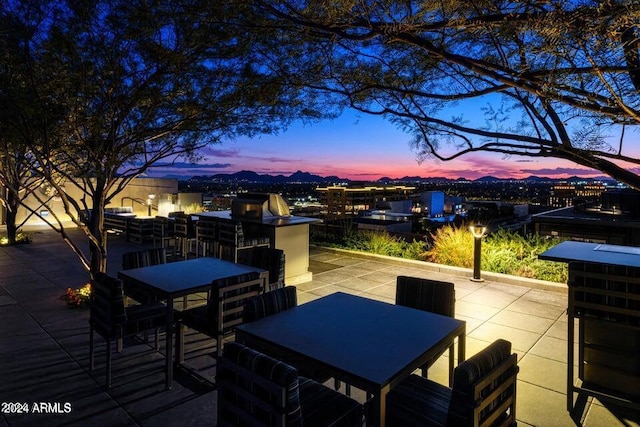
(44, 354)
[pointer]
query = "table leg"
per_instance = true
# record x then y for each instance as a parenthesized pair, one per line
(381, 407)
(461, 345)
(169, 349)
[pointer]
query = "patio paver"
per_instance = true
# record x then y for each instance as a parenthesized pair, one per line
(44, 345)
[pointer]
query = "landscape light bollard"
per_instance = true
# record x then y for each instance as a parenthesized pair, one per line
(478, 233)
(150, 198)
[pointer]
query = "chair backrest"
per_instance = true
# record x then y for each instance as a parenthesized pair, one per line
(227, 296)
(144, 258)
(434, 296)
(266, 258)
(108, 315)
(255, 389)
(206, 229)
(484, 388)
(162, 228)
(183, 226)
(230, 232)
(269, 303)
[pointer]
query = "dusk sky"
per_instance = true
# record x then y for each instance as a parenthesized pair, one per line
(358, 147)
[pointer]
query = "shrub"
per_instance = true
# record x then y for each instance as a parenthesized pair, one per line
(502, 252)
(21, 238)
(380, 243)
(452, 246)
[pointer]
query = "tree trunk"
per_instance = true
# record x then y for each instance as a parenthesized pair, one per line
(98, 247)
(12, 230)
(12, 212)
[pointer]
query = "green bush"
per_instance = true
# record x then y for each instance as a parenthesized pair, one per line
(452, 246)
(502, 252)
(380, 243)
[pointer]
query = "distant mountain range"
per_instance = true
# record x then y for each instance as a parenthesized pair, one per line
(300, 177)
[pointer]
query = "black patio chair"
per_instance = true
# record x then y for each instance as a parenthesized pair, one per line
(257, 390)
(232, 239)
(113, 321)
(483, 394)
(265, 258)
(185, 234)
(138, 259)
(269, 303)
(163, 234)
(429, 295)
(206, 236)
(276, 301)
(223, 311)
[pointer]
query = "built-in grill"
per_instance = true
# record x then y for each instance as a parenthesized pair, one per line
(259, 206)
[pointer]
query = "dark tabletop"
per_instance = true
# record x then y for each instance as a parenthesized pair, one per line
(184, 276)
(569, 251)
(370, 339)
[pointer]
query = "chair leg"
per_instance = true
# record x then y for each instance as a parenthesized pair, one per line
(219, 346)
(179, 342)
(451, 364)
(108, 363)
(91, 357)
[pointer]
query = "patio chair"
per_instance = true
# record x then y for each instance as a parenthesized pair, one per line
(231, 240)
(428, 295)
(258, 390)
(206, 236)
(163, 234)
(483, 394)
(223, 311)
(185, 234)
(113, 321)
(276, 301)
(265, 258)
(269, 303)
(138, 259)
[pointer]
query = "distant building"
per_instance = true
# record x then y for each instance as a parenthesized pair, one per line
(342, 201)
(498, 214)
(432, 203)
(454, 205)
(566, 194)
(614, 220)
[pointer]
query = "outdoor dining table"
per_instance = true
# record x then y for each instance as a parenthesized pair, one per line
(369, 344)
(179, 279)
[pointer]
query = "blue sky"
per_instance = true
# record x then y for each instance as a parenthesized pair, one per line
(358, 147)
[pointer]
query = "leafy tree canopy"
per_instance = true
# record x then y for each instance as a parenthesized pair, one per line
(134, 82)
(546, 78)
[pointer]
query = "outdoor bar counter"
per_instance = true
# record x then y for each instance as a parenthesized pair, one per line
(604, 297)
(289, 233)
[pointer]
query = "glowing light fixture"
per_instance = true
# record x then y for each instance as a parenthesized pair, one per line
(478, 231)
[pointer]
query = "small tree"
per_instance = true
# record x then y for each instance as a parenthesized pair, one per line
(20, 119)
(139, 83)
